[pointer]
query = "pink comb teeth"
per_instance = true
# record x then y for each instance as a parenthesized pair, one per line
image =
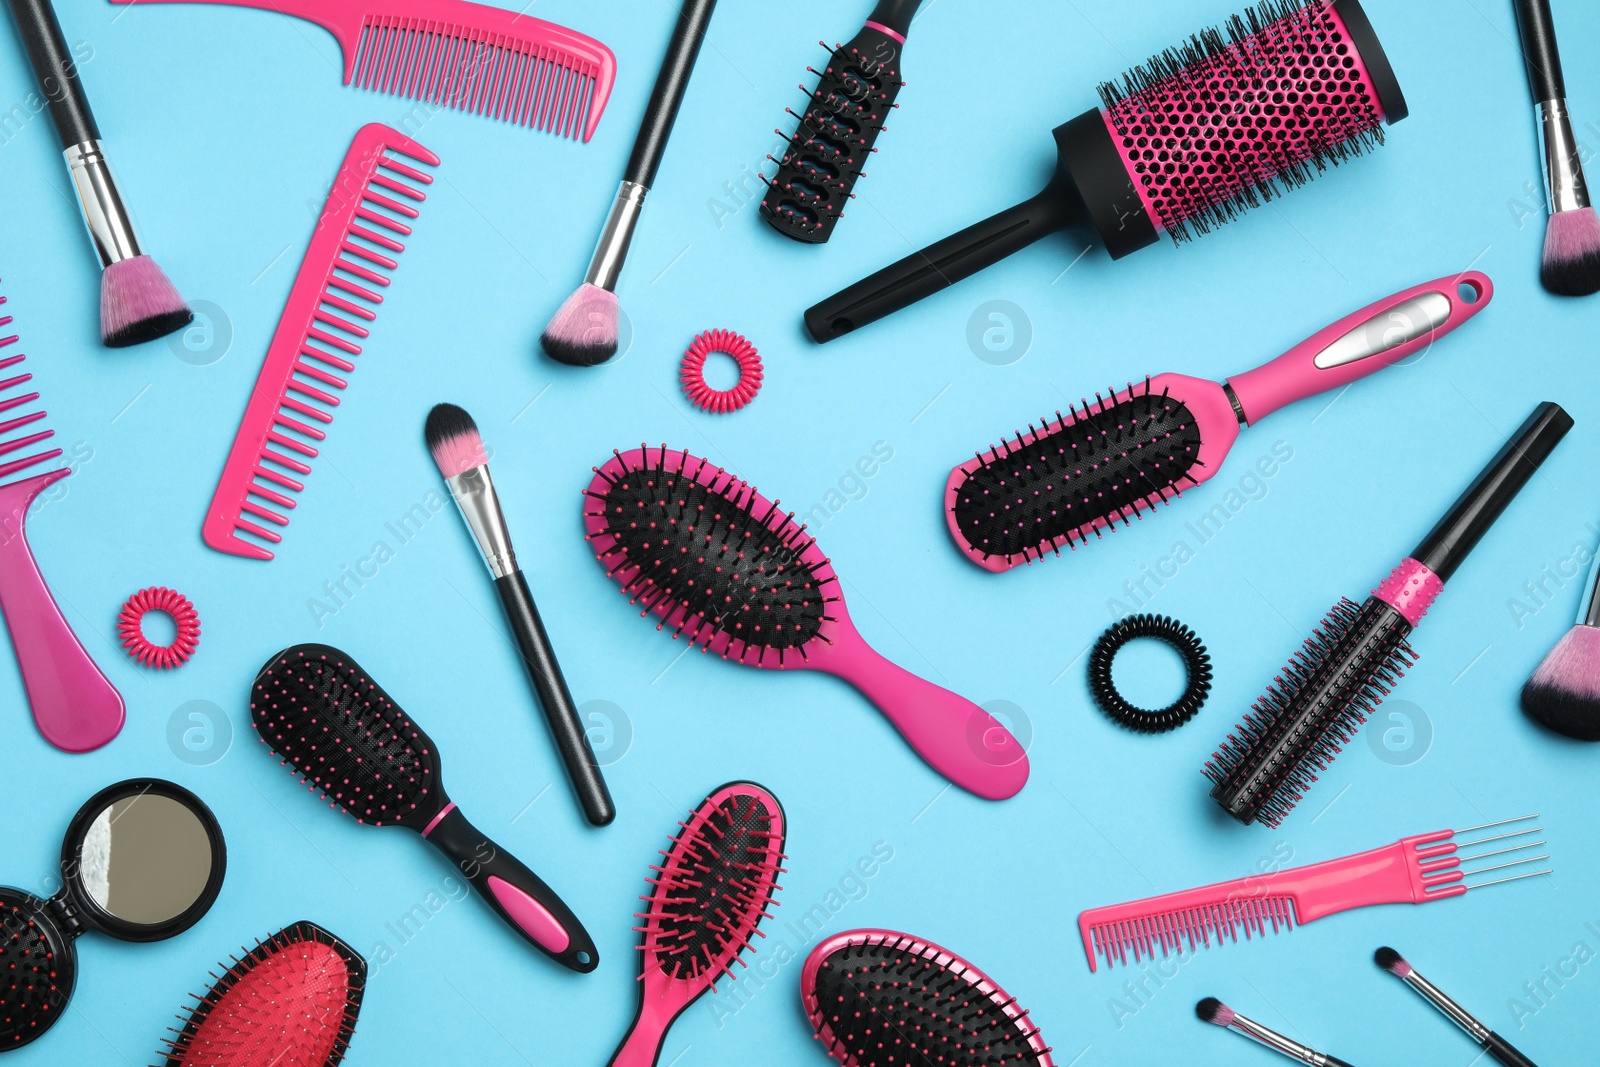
(1414, 870)
(352, 250)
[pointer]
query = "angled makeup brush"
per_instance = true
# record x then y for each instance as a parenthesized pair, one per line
(458, 450)
(1564, 693)
(1493, 1043)
(1212, 1010)
(1572, 243)
(584, 331)
(137, 301)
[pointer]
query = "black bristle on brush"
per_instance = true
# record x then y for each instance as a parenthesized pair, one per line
(1347, 667)
(839, 131)
(1572, 243)
(1563, 694)
(137, 301)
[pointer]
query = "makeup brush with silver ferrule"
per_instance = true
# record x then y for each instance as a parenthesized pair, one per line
(458, 450)
(137, 301)
(1572, 243)
(1213, 1011)
(1493, 1043)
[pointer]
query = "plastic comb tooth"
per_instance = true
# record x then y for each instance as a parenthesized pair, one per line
(323, 328)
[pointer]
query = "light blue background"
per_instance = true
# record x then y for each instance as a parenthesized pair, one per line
(227, 126)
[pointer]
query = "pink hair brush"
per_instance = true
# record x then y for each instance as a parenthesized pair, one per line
(877, 998)
(709, 895)
(1413, 870)
(1096, 468)
(76, 708)
(719, 562)
(490, 61)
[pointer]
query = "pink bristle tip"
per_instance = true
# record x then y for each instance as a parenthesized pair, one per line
(1212, 1010)
(584, 331)
(139, 303)
(1393, 962)
(1564, 693)
(1572, 253)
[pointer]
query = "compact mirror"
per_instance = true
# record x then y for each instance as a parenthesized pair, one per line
(143, 860)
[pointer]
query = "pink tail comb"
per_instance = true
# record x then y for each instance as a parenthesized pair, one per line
(1414, 870)
(506, 65)
(352, 248)
(76, 708)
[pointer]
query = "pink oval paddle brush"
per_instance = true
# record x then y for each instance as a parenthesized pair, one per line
(719, 562)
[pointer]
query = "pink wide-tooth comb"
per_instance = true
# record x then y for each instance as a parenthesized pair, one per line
(1414, 870)
(76, 707)
(1084, 473)
(720, 563)
(504, 64)
(350, 258)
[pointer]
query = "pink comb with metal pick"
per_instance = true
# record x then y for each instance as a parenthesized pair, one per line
(76, 708)
(1413, 870)
(351, 251)
(506, 65)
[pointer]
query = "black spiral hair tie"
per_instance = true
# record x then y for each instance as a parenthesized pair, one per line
(1171, 632)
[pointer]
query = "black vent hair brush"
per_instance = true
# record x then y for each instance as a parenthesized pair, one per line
(326, 717)
(1348, 665)
(839, 131)
(1185, 143)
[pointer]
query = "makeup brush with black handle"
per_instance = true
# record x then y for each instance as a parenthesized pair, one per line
(137, 301)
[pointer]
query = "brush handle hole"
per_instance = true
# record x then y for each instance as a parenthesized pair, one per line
(1470, 291)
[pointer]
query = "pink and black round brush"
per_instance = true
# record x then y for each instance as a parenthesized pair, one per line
(137, 301)
(1348, 665)
(1563, 694)
(347, 739)
(708, 896)
(721, 564)
(1184, 144)
(877, 998)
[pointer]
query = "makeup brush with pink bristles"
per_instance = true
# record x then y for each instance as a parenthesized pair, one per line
(1212, 1010)
(137, 302)
(1564, 692)
(584, 332)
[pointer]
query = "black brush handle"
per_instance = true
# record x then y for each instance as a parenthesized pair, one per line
(517, 895)
(895, 15)
(55, 70)
(939, 266)
(556, 699)
(1540, 51)
(671, 84)
(1501, 1049)
(1459, 532)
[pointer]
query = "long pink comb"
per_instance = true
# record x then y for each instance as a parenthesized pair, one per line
(76, 707)
(486, 60)
(1414, 870)
(353, 248)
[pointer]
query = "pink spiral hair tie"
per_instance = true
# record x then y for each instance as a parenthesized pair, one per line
(721, 401)
(130, 627)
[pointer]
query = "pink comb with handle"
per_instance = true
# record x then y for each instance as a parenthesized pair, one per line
(1413, 870)
(76, 707)
(486, 60)
(354, 244)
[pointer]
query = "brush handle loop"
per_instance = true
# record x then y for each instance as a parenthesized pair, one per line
(895, 16)
(566, 725)
(1378, 336)
(55, 70)
(517, 895)
(958, 738)
(1503, 1052)
(1540, 51)
(667, 96)
(1458, 533)
(938, 266)
(76, 708)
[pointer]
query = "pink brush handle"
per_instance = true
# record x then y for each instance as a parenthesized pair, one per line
(642, 1046)
(1375, 337)
(76, 707)
(958, 739)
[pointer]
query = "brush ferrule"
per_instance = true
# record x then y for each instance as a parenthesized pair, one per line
(110, 226)
(474, 493)
(612, 251)
(1565, 188)
(1274, 1040)
(1442, 1001)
